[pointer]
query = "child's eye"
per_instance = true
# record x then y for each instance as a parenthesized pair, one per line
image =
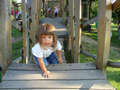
(49, 37)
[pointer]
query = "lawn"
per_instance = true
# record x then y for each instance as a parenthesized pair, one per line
(114, 40)
(17, 46)
(113, 74)
(16, 49)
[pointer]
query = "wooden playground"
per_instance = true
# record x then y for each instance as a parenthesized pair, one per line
(66, 76)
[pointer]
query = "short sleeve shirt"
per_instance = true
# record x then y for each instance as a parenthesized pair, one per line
(40, 52)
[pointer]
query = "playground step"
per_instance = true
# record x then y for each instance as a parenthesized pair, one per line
(77, 76)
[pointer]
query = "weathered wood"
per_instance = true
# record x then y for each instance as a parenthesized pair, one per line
(104, 25)
(58, 84)
(55, 75)
(116, 5)
(5, 34)
(71, 27)
(25, 33)
(90, 21)
(62, 4)
(61, 67)
(35, 22)
(39, 8)
(78, 29)
(114, 64)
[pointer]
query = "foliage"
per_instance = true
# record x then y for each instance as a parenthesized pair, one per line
(113, 74)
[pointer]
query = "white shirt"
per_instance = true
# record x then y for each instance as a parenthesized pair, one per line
(56, 10)
(40, 52)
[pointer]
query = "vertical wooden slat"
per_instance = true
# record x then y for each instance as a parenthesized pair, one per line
(62, 4)
(104, 23)
(36, 7)
(34, 21)
(78, 17)
(39, 8)
(25, 33)
(5, 34)
(71, 26)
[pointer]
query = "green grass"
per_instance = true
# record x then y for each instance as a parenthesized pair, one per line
(114, 40)
(113, 74)
(16, 33)
(16, 47)
(84, 58)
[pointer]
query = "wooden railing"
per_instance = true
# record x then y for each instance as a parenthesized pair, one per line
(109, 63)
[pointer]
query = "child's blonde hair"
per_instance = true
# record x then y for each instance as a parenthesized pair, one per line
(46, 29)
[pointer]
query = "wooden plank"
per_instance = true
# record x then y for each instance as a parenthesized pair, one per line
(116, 5)
(35, 22)
(78, 30)
(55, 84)
(71, 27)
(5, 34)
(60, 67)
(114, 64)
(104, 25)
(90, 21)
(56, 75)
(25, 33)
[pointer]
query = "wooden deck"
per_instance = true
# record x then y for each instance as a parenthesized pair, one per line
(82, 76)
(77, 76)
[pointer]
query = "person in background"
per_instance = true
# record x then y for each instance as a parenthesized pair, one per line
(56, 11)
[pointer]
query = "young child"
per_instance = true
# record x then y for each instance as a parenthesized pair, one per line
(45, 48)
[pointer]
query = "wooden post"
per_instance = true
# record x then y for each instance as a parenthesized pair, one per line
(62, 4)
(35, 21)
(78, 17)
(5, 34)
(36, 7)
(104, 23)
(71, 26)
(39, 8)
(25, 33)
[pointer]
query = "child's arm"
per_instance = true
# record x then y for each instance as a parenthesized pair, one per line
(58, 52)
(43, 68)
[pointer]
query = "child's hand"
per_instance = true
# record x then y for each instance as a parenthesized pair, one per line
(46, 74)
(60, 61)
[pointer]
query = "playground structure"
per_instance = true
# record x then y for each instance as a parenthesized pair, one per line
(81, 74)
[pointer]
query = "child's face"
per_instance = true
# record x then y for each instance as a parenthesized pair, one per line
(47, 40)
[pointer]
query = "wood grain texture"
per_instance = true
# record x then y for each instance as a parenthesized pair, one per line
(104, 30)
(54, 67)
(55, 75)
(55, 84)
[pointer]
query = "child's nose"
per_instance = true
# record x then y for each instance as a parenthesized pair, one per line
(47, 39)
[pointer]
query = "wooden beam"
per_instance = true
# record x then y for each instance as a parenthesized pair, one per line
(25, 33)
(104, 24)
(39, 8)
(71, 26)
(114, 64)
(90, 21)
(62, 4)
(5, 34)
(35, 21)
(78, 16)
(35, 14)
(116, 5)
